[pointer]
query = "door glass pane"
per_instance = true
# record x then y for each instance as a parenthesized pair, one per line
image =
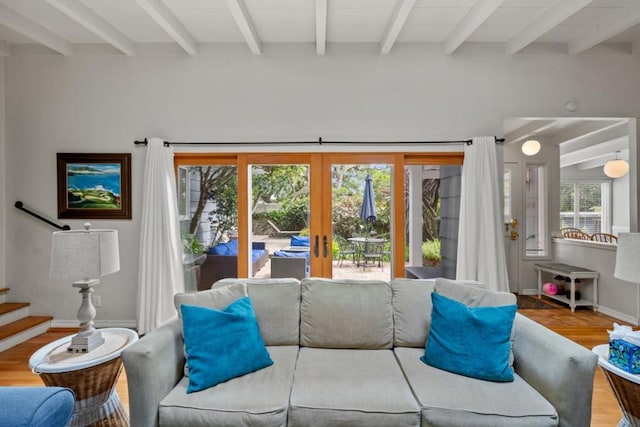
(361, 216)
(432, 211)
(535, 208)
(209, 224)
(280, 221)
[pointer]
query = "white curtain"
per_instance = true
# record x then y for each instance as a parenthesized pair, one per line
(160, 272)
(481, 253)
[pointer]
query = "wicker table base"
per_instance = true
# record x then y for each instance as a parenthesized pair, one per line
(97, 403)
(625, 386)
(92, 376)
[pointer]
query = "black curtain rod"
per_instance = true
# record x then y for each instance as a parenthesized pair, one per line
(319, 142)
(20, 206)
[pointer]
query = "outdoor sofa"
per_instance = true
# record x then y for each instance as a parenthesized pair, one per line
(222, 262)
(347, 353)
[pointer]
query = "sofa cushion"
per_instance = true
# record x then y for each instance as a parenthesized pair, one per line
(335, 387)
(257, 399)
(222, 344)
(444, 396)
(471, 341)
(412, 308)
(276, 303)
(299, 241)
(346, 314)
(411, 302)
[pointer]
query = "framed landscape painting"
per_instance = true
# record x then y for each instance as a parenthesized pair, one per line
(94, 186)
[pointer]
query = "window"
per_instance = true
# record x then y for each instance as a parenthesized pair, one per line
(585, 205)
(535, 225)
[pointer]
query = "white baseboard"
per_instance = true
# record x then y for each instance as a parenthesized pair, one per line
(617, 315)
(531, 291)
(130, 324)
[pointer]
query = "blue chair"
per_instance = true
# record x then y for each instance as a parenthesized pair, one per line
(36, 406)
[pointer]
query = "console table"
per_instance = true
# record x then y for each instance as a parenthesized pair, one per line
(573, 273)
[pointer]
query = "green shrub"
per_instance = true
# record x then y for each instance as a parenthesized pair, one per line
(431, 250)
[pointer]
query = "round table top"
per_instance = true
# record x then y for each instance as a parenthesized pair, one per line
(602, 351)
(54, 357)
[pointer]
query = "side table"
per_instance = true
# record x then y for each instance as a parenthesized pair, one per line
(625, 386)
(92, 376)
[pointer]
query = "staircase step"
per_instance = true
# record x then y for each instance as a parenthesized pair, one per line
(12, 311)
(22, 330)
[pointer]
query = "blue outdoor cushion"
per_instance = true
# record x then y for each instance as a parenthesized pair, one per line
(291, 254)
(470, 341)
(36, 406)
(222, 344)
(229, 248)
(299, 240)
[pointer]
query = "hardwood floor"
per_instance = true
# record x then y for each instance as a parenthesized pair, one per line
(584, 327)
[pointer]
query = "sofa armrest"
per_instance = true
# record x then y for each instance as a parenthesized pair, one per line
(154, 364)
(558, 368)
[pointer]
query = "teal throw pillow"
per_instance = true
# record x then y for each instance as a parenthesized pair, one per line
(470, 341)
(222, 344)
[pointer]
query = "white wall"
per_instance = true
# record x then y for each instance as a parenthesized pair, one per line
(102, 103)
(3, 170)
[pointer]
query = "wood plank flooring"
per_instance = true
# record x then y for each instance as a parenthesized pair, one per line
(584, 326)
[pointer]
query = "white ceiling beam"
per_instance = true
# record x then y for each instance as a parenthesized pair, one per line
(163, 17)
(544, 23)
(530, 129)
(321, 26)
(245, 24)
(94, 23)
(596, 162)
(25, 26)
(5, 50)
(594, 151)
(623, 22)
(398, 18)
(574, 134)
(593, 139)
(480, 12)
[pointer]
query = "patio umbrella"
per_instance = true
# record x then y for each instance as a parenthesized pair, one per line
(368, 208)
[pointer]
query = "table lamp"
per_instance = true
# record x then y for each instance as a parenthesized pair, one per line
(84, 255)
(628, 263)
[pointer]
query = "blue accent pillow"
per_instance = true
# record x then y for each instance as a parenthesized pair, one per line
(220, 249)
(222, 344)
(470, 341)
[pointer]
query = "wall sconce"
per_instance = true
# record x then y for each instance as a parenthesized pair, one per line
(616, 168)
(530, 147)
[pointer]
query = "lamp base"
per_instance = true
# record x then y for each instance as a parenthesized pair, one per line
(88, 338)
(85, 343)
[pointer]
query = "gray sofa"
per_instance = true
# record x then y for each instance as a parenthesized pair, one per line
(346, 353)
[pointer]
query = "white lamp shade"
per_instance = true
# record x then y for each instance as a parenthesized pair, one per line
(79, 254)
(627, 257)
(616, 168)
(531, 147)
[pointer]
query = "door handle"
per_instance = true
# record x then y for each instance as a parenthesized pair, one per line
(325, 246)
(514, 235)
(316, 247)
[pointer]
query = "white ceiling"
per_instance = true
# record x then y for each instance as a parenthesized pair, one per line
(126, 24)
(585, 143)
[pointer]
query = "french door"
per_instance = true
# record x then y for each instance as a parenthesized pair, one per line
(328, 191)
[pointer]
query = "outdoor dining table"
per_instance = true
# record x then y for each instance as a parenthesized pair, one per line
(363, 245)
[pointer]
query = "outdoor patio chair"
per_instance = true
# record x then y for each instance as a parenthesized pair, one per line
(346, 249)
(373, 251)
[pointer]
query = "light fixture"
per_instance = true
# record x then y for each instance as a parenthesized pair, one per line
(530, 147)
(83, 255)
(616, 168)
(627, 265)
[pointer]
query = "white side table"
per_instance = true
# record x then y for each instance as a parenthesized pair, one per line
(625, 386)
(92, 376)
